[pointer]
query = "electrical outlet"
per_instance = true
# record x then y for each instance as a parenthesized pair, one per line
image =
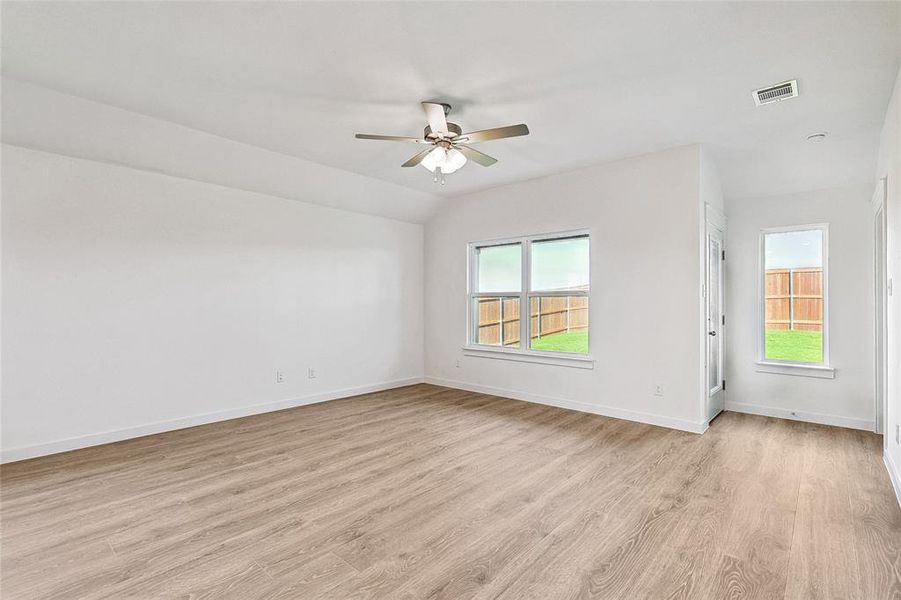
(458, 363)
(311, 373)
(279, 377)
(658, 389)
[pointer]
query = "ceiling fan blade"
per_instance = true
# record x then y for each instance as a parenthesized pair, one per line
(435, 114)
(418, 158)
(387, 138)
(497, 133)
(475, 156)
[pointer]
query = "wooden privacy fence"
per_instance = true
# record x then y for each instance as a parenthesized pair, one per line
(794, 299)
(549, 315)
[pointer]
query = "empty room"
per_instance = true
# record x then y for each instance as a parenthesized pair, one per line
(450, 300)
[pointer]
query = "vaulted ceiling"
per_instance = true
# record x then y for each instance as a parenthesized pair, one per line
(282, 88)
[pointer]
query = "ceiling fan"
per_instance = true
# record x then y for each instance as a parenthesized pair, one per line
(446, 150)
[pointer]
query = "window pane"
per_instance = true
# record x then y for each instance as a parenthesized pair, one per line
(794, 295)
(560, 264)
(559, 324)
(497, 322)
(499, 268)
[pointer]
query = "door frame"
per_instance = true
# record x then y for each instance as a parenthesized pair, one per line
(880, 305)
(713, 219)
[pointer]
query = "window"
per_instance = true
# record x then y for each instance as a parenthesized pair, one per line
(794, 327)
(547, 275)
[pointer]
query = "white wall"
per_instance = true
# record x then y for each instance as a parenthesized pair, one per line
(848, 399)
(643, 215)
(87, 129)
(889, 166)
(135, 302)
(711, 187)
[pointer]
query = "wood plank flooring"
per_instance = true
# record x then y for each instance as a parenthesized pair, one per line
(428, 492)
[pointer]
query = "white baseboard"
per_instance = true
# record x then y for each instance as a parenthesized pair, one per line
(105, 437)
(799, 415)
(893, 474)
(606, 411)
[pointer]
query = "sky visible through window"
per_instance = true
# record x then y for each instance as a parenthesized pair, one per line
(794, 249)
(560, 264)
(499, 268)
(556, 265)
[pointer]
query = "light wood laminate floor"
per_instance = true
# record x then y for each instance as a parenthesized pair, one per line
(427, 492)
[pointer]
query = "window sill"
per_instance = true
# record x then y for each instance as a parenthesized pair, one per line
(801, 370)
(562, 360)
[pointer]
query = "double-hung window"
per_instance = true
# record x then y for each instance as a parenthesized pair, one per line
(546, 275)
(794, 326)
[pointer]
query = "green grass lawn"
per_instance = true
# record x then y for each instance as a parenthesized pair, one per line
(803, 346)
(572, 341)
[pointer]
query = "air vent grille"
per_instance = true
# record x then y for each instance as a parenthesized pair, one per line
(776, 93)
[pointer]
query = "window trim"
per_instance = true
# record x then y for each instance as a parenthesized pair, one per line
(523, 353)
(821, 369)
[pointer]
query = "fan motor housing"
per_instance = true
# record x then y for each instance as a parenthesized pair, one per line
(453, 131)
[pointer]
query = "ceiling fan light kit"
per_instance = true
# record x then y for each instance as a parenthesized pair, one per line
(447, 152)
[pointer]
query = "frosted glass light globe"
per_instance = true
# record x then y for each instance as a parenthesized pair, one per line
(453, 160)
(434, 159)
(448, 160)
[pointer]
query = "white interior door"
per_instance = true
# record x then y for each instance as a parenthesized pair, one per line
(716, 394)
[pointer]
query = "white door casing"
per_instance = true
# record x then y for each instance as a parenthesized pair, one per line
(880, 296)
(715, 320)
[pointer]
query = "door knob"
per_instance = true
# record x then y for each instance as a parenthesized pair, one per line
(713, 333)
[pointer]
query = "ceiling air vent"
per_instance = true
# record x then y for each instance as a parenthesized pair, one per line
(776, 93)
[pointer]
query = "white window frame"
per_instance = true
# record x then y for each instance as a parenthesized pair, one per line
(787, 367)
(524, 353)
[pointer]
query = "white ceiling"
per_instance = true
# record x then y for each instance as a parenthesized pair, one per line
(594, 81)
